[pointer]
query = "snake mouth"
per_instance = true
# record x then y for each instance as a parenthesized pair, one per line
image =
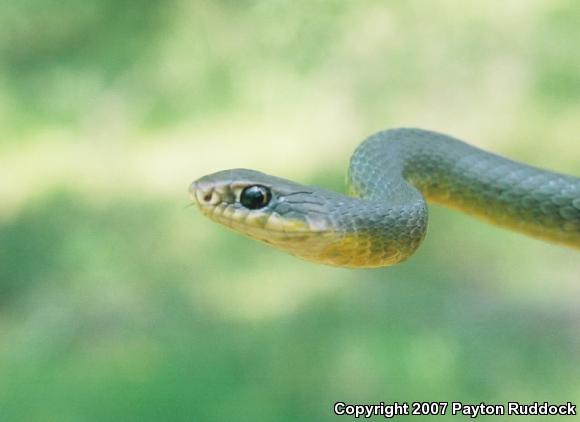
(261, 225)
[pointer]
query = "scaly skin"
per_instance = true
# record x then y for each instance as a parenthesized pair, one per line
(384, 220)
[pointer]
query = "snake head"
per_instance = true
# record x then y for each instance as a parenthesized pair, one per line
(267, 208)
(305, 221)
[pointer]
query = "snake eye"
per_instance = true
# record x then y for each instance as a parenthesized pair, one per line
(255, 197)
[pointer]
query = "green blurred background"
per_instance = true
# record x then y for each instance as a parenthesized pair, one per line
(119, 303)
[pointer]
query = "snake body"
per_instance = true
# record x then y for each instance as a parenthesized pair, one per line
(383, 221)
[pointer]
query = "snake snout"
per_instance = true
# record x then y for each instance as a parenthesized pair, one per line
(203, 195)
(192, 189)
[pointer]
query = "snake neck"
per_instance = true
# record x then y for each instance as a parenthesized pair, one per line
(402, 166)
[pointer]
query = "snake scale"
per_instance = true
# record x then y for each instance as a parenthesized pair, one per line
(383, 220)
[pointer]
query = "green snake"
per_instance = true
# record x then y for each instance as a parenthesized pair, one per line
(383, 220)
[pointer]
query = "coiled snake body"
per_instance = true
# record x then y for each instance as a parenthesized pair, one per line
(384, 219)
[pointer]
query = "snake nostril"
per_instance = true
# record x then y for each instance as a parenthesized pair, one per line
(208, 197)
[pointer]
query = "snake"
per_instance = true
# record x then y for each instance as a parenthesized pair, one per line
(382, 221)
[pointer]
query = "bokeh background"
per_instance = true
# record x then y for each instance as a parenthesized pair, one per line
(119, 302)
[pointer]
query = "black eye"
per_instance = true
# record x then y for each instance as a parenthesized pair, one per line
(255, 197)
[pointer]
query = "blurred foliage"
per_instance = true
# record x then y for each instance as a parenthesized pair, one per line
(117, 303)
